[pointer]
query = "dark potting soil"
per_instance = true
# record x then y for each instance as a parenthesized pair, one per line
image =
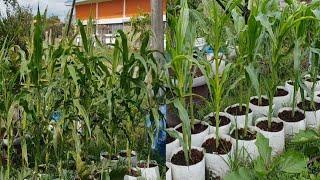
(263, 102)
(133, 173)
(105, 156)
(198, 72)
(307, 105)
(238, 111)
(169, 139)
(275, 126)
(124, 154)
(114, 157)
(309, 79)
(281, 92)
(145, 165)
(2, 133)
(223, 148)
(198, 128)
(241, 135)
(287, 116)
(223, 121)
(196, 100)
(178, 159)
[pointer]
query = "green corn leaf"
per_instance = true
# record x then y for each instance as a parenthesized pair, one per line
(83, 36)
(82, 112)
(125, 48)
(155, 114)
(266, 24)
(75, 79)
(11, 113)
(253, 76)
(186, 128)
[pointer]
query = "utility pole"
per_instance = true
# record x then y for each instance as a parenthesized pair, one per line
(70, 16)
(157, 27)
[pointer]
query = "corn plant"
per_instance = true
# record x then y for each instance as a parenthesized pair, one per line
(312, 39)
(180, 41)
(9, 104)
(278, 30)
(214, 30)
(248, 37)
(153, 88)
(141, 71)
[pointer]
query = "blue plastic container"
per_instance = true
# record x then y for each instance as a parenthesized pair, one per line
(160, 137)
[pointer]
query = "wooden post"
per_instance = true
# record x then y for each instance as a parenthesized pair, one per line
(157, 27)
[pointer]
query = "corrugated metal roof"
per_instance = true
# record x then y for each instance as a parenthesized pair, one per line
(69, 2)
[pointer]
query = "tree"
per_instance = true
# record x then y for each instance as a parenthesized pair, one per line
(15, 26)
(10, 2)
(157, 26)
(54, 27)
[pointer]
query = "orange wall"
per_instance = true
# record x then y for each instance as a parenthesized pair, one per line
(110, 9)
(113, 9)
(85, 11)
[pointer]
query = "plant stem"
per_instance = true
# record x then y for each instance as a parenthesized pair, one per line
(294, 99)
(8, 153)
(129, 156)
(217, 98)
(191, 107)
(246, 116)
(270, 112)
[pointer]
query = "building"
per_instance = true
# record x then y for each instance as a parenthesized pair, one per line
(110, 15)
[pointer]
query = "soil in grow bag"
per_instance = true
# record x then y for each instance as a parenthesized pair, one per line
(281, 92)
(172, 116)
(201, 91)
(241, 135)
(198, 73)
(178, 159)
(124, 154)
(290, 82)
(133, 173)
(223, 121)
(223, 148)
(263, 101)
(95, 175)
(275, 126)
(169, 139)
(309, 79)
(112, 157)
(145, 165)
(287, 116)
(198, 128)
(238, 111)
(307, 105)
(2, 133)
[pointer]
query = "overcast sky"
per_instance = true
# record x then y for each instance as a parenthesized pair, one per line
(55, 7)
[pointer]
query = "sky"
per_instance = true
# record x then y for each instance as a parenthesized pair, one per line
(55, 7)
